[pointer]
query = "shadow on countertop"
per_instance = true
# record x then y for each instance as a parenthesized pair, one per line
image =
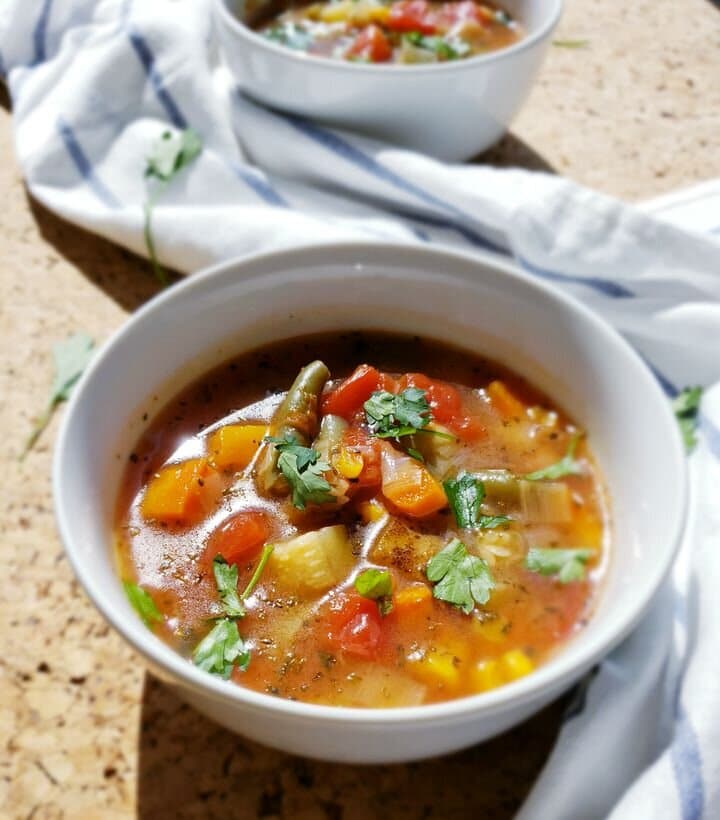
(191, 767)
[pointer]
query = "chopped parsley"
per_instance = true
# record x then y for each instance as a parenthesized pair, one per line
(465, 494)
(460, 579)
(171, 153)
(376, 584)
(226, 578)
(142, 602)
(568, 464)
(71, 357)
(441, 47)
(289, 35)
(565, 563)
(391, 416)
(686, 406)
(221, 650)
(304, 472)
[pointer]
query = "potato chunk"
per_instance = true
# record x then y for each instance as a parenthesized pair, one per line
(313, 562)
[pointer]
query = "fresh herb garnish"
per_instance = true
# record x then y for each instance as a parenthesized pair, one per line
(226, 578)
(172, 152)
(71, 358)
(565, 563)
(460, 578)
(142, 603)
(416, 454)
(221, 650)
(438, 45)
(391, 416)
(567, 465)
(686, 406)
(376, 584)
(304, 471)
(465, 494)
(571, 43)
(289, 35)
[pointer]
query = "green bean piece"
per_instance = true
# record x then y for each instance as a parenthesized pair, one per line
(330, 436)
(297, 415)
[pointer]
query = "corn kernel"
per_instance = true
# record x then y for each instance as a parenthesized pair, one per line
(348, 463)
(371, 511)
(515, 664)
(487, 675)
(437, 669)
(494, 630)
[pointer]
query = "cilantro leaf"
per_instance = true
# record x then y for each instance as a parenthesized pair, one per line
(568, 564)
(567, 465)
(290, 35)
(226, 579)
(142, 603)
(460, 578)
(304, 471)
(686, 406)
(71, 357)
(441, 47)
(221, 650)
(376, 584)
(465, 494)
(391, 416)
(172, 152)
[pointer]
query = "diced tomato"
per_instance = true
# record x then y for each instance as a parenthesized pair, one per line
(241, 537)
(444, 400)
(353, 392)
(411, 15)
(353, 624)
(371, 45)
(466, 10)
(358, 440)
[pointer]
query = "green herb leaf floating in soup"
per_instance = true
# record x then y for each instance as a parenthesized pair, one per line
(460, 579)
(142, 603)
(221, 650)
(331, 497)
(567, 564)
(393, 31)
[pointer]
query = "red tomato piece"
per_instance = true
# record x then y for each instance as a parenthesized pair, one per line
(444, 400)
(466, 10)
(354, 625)
(353, 392)
(371, 45)
(359, 440)
(241, 537)
(411, 15)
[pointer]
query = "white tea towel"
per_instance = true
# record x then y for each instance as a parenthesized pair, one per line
(95, 82)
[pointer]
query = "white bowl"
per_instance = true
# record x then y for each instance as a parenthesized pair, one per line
(474, 301)
(450, 110)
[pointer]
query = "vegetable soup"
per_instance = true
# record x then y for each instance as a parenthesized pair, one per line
(363, 520)
(394, 31)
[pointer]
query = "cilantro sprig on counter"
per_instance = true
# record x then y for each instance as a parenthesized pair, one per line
(304, 471)
(566, 564)
(376, 584)
(174, 151)
(465, 494)
(71, 357)
(460, 579)
(686, 406)
(568, 464)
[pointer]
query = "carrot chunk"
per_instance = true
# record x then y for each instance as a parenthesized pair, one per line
(182, 493)
(234, 445)
(503, 400)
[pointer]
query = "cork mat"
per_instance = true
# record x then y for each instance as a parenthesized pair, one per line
(85, 732)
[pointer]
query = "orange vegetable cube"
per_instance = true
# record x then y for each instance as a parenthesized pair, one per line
(507, 405)
(182, 493)
(415, 599)
(234, 445)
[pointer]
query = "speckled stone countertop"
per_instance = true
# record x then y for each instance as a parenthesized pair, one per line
(85, 731)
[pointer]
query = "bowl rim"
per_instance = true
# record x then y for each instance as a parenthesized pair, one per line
(303, 58)
(558, 672)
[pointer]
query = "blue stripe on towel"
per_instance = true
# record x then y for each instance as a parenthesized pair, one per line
(711, 434)
(351, 153)
(604, 286)
(258, 183)
(84, 167)
(147, 58)
(40, 32)
(687, 765)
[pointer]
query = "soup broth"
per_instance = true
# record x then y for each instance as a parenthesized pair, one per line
(407, 523)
